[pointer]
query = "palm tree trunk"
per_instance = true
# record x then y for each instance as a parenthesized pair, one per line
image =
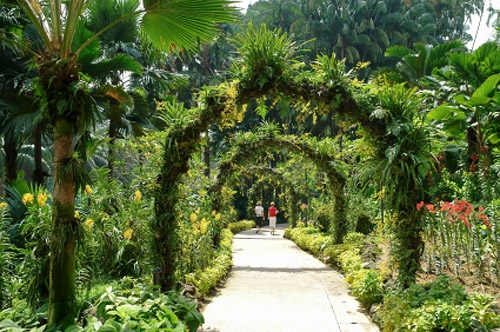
(63, 257)
(11, 152)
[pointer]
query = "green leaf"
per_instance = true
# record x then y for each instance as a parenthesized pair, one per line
(487, 87)
(119, 62)
(398, 51)
(441, 112)
(479, 101)
(455, 128)
(462, 100)
(494, 138)
(458, 115)
(10, 326)
(181, 24)
(261, 110)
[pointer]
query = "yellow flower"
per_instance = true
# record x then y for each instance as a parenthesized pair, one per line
(128, 234)
(202, 193)
(41, 198)
(3, 205)
(232, 92)
(28, 198)
(77, 215)
(217, 217)
(203, 226)
(88, 190)
(88, 224)
(213, 213)
(196, 230)
(193, 217)
(137, 196)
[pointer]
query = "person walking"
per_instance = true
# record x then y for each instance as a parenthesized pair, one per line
(259, 215)
(271, 214)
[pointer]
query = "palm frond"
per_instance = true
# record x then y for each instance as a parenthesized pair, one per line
(184, 24)
(119, 63)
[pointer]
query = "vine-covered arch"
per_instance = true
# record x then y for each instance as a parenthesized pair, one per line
(249, 145)
(274, 175)
(269, 68)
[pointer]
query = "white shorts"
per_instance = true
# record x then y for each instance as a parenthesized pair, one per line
(272, 222)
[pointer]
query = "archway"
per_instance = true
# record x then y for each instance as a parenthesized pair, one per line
(388, 115)
(249, 145)
(277, 179)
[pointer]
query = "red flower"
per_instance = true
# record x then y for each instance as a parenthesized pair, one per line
(430, 208)
(420, 205)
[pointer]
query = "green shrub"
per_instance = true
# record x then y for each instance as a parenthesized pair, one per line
(207, 279)
(355, 239)
(239, 226)
(438, 306)
(324, 216)
(350, 261)
(367, 287)
(331, 254)
(309, 239)
(145, 311)
(128, 309)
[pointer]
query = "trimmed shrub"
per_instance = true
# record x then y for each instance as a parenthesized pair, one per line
(239, 226)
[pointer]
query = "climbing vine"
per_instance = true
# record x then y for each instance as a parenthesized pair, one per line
(268, 68)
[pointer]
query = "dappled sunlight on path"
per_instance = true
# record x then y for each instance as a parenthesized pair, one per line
(276, 287)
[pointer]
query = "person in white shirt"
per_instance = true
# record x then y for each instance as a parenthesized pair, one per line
(259, 216)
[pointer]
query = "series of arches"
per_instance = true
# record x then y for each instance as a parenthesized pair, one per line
(324, 86)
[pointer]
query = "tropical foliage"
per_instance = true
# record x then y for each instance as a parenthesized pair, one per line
(131, 150)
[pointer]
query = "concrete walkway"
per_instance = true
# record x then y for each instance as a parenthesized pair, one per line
(275, 287)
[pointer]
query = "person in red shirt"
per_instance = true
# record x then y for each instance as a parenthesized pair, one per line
(271, 215)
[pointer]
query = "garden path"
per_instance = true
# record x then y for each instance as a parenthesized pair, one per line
(275, 287)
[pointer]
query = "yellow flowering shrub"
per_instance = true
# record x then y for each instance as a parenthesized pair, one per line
(41, 198)
(204, 225)
(127, 235)
(88, 224)
(28, 198)
(137, 196)
(88, 190)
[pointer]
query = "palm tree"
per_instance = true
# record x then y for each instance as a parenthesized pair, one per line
(170, 25)
(18, 112)
(413, 65)
(470, 82)
(109, 62)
